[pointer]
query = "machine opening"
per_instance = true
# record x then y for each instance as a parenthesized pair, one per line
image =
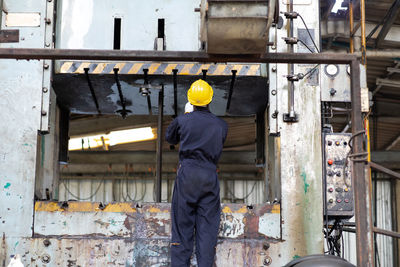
(117, 33)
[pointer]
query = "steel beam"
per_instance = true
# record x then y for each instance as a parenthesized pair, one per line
(166, 56)
(393, 143)
(362, 207)
(384, 170)
(388, 82)
(392, 15)
(114, 157)
(160, 138)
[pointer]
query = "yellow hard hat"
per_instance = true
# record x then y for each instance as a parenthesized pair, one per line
(200, 93)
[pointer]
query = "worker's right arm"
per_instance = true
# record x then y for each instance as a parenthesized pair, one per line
(172, 134)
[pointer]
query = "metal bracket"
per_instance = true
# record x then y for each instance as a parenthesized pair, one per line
(287, 117)
(47, 68)
(9, 36)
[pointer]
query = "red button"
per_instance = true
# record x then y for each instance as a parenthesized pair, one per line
(339, 200)
(346, 200)
(331, 189)
(330, 161)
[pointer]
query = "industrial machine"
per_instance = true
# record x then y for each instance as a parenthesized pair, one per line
(103, 66)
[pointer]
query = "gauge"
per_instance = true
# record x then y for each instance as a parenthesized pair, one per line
(331, 70)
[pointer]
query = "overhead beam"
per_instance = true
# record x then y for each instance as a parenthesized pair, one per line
(392, 15)
(393, 70)
(384, 170)
(393, 143)
(112, 157)
(172, 56)
(382, 157)
(104, 168)
(388, 82)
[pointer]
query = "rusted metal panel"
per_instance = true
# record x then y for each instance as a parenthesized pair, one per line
(130, 220)
(135, 252)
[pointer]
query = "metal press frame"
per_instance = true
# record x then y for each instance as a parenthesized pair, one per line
(364, 227)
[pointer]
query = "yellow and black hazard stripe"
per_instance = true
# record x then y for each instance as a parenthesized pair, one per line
(78, 67)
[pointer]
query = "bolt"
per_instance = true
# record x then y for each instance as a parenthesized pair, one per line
(332, 91)
(267, 261)
(46, 66)
(273, 47)
(273, 92)
(44, 113)
(47, 20)
(273, 69)
(45, 90)
(46, 242)
(275, 114)
(47, 44)
(45, 258)
(49, 1)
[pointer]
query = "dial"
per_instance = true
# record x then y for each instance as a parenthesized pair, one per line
(331, 70)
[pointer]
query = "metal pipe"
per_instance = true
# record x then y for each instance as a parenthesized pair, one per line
(291, 115)
(231, 89)
(146, 81)
(160, 138)
(123, 111)
(204, 74)
(175, 72)
(362, 207)
(363, 40)
(351, 26)
(384, 170)
(179, 56)
(291, 66)
(92, 90)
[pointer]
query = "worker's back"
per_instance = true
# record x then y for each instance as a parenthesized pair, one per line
(201, 135)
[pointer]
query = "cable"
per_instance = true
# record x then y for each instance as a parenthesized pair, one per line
(312, 39)
(301, 41)
(251, 191)
(79, 198)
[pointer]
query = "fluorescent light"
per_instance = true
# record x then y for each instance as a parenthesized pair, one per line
(337, 6)
(112, 139)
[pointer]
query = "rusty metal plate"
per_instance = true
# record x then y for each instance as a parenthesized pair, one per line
(136, 253)
(132, 220)
(9, 36)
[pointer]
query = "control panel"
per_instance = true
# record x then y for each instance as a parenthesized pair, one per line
(338, 190)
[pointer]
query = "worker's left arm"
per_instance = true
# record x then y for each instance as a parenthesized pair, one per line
(172, 134)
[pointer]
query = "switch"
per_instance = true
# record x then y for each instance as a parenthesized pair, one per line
(337, 143)
(339, 189)
(346, 200)
(331, 200)
(338, 174)
(346, 190)
(330, 189)
(338, 200)
(329, 143)
(330, 173)
(330, 161)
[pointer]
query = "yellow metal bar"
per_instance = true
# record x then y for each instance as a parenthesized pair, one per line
(363, 40)
(351, 26)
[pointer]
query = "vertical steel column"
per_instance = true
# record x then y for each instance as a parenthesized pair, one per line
(160, 138)
(361, 185)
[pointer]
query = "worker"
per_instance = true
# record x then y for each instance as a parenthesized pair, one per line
(196, 205)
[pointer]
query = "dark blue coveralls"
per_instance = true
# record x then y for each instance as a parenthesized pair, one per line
(195, 200)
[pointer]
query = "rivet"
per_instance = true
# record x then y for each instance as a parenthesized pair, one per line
(45, 90)
(47, 44)
(46, 66)
(273, 92)
(267, 261)
(44, 113)
(273, 69)
(46, 242)
(273, 47)
(47, 20)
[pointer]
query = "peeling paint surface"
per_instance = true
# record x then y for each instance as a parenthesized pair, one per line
(127, 220)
